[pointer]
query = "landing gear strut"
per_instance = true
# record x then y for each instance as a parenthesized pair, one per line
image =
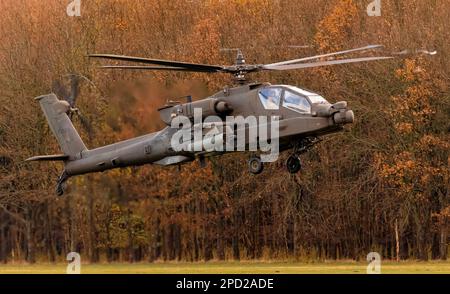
(255, 165)
(305, 144)
(293, 163)
(60, 184)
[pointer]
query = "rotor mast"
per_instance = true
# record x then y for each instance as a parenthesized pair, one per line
(239, 76)
(239, 69)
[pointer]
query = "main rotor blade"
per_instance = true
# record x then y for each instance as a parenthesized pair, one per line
(212, 68)
(147, 67)
(322, 63)
(326, 55)
(417, 51)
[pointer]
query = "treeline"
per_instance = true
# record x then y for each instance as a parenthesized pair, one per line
(382, 185)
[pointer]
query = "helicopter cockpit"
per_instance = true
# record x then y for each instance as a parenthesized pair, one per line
(289, 97)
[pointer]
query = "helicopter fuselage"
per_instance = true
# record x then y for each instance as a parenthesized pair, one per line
(262, 118)
(296, 123)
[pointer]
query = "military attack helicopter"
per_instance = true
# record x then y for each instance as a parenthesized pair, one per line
(302, 118)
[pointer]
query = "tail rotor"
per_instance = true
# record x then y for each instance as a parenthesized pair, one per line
(68, 89)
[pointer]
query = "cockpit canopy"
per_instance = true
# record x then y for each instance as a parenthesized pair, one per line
(290, 97)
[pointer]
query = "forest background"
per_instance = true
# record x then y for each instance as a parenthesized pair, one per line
(382, 185)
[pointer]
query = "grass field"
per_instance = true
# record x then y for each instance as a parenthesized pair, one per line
(408, 267)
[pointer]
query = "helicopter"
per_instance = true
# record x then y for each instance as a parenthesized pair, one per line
(298, 118)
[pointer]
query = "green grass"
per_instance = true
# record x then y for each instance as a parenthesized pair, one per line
(407, 267)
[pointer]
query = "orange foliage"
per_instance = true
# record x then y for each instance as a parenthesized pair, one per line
(336, 28)
(393, 163)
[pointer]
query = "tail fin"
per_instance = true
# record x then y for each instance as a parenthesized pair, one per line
(56, 113)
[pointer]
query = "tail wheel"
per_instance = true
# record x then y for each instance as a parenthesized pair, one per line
(59, 190)
(255, 165)
(60, 185)
(293, 164)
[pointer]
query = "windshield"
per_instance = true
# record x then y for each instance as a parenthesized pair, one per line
(296, 102)
(313, 97)
(317, 99)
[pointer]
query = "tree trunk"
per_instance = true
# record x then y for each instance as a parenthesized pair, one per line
(3, 244)
(443, 242)
(235, 239)
(93, 251)
(70, 223)
(29, 229)
(196, 246)
(50, 241)
(177, 237)
(207, 250)
(130, 237)
(220, 238)
(397, 241)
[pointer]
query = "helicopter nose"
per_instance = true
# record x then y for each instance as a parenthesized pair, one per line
(344, 117)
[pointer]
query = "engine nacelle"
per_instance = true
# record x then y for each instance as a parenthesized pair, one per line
(208, 107)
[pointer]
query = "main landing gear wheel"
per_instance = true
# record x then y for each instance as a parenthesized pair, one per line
(255, 165)
(293, 164)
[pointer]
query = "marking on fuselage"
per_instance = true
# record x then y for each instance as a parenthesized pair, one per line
(148, 149)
